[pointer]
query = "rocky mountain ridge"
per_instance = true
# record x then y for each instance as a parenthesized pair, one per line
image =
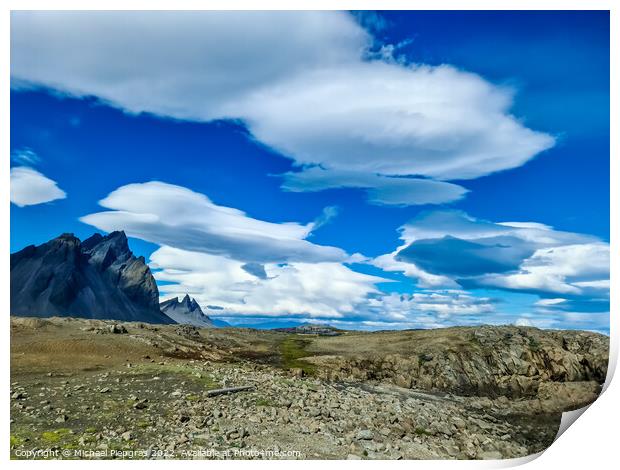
(98, 278)
(187, 312)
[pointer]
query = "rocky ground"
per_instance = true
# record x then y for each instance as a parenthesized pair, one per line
(93, 389)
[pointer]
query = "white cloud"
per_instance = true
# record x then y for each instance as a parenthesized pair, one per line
(392, 120)
(390, 263)
(597, 322)
(454, 223)
(315, 290)
(175, 216)
(330, 292)
(442, 305)
(600, 284)
(381, 190)
(304, 83)
(521, 256)
(29, 187)
(329, 213)
(564, 269)
(184, 65)
(549, 302)
(245, 267)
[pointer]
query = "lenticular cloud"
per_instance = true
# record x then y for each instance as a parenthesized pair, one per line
(318, 97)
(175, 216)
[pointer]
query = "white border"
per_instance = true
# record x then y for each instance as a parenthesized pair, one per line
(590, 444)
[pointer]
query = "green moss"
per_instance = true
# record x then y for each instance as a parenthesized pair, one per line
(121, 446)
(16, 441)
(421, 432)
(143, 424)
(192, 397)
(264, 402)
(292, 349)
(186, 371)
(55, 436)
(86, 438)
(71, 445)
(91, 430)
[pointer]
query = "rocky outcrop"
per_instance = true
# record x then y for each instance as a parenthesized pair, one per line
(98, 278)
(487, 361)
(186, 312)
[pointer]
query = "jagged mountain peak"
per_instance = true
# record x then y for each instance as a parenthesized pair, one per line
(67, 236)
(116, 240)
(99, 278)
(186, 311)
(65, 239)
(91, 241)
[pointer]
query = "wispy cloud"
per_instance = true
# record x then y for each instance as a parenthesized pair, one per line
(25, 156)
(381, 190)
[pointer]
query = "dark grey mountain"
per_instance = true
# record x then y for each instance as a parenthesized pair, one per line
(98, 278)
(187, 311)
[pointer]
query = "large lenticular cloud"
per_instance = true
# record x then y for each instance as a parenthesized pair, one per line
(302, 82)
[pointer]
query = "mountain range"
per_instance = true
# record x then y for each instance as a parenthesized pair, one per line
(98, 278)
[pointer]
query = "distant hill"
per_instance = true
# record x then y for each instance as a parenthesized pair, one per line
(99, 278)
(311, 329)
(220, 323)
(187, 312)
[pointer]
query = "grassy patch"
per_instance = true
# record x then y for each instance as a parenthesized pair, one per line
(292, 349)
(51, 437)
(16, 441)
(121, 446)
(187, 372)
(264, 402)
(421, 432)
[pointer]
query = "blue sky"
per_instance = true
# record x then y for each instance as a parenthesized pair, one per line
(360, 173)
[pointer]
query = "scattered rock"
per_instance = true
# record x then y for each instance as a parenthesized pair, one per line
(117, 329)
(141, 404)
(365, 434)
